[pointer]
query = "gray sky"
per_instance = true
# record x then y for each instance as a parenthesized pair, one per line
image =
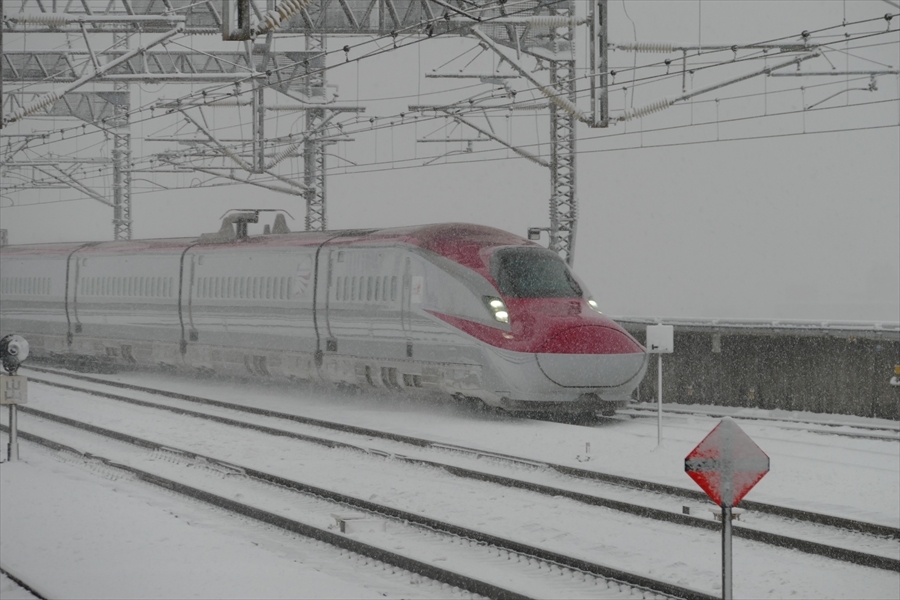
(672, 223)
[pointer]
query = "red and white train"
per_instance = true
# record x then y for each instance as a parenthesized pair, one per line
(464, 310)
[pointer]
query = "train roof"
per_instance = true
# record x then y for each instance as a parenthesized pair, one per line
(460, 242)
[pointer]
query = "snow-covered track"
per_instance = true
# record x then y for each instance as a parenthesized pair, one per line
(572, 574)
(22, 584)
(641, 510)
(784, 512)
(886, 433)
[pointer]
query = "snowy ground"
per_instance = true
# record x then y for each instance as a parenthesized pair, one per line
(84, 532)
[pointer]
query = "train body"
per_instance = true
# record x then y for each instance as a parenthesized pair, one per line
(459, 309)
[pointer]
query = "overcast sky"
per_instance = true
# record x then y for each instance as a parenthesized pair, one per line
(671, 223)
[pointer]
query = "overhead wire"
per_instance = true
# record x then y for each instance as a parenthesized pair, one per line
(390, 124)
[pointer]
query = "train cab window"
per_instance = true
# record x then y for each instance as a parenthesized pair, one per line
(533, 273)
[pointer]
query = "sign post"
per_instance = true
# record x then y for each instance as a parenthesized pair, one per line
(726, 464)
(660, 339)
(13, 391)
(13, 388)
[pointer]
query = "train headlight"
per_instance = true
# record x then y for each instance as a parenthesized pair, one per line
(593, 304)
(497, 308)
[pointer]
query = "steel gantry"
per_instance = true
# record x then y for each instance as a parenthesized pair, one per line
(541, 29)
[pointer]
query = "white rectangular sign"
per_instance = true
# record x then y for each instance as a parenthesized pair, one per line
(13, 389)
(660, 339)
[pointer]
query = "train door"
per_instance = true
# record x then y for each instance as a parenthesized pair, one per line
(406, 298)
(327, 279)
(187, 272)
(73, 271)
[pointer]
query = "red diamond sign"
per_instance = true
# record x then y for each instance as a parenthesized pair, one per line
(726, 464)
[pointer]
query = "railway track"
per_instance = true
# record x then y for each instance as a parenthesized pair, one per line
(24, 586)
(527, 571)
(874, 543)
(821, 427)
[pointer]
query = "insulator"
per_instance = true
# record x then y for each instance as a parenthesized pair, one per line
(647, 110)
(653, 47)
(51, 19)
(550, 21)
(35, 106)
(563, 103)
(284, 11)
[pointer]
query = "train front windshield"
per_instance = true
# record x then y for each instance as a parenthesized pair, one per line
(533, 273)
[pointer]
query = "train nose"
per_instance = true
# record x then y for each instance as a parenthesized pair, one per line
(593, 356)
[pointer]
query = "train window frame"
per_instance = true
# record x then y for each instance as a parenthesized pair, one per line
(509, 279)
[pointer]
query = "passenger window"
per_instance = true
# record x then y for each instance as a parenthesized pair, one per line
(394, 288)
(369, 287)
(377, 289)
(353, 290)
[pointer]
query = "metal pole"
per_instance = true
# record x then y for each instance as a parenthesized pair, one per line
(659, 403)
(13, 433)
(726, 553)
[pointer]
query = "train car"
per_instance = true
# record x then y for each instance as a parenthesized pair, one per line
(465, 310)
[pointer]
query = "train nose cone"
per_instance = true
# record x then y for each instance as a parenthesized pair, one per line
(592, 356)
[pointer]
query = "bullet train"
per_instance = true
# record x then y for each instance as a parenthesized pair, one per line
(465, 310)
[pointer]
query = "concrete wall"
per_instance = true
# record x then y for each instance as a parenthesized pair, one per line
(826, 370)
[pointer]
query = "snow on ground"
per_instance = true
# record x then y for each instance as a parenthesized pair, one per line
(847, 477)
(67, 528)
(10, 590)
(73, 532)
